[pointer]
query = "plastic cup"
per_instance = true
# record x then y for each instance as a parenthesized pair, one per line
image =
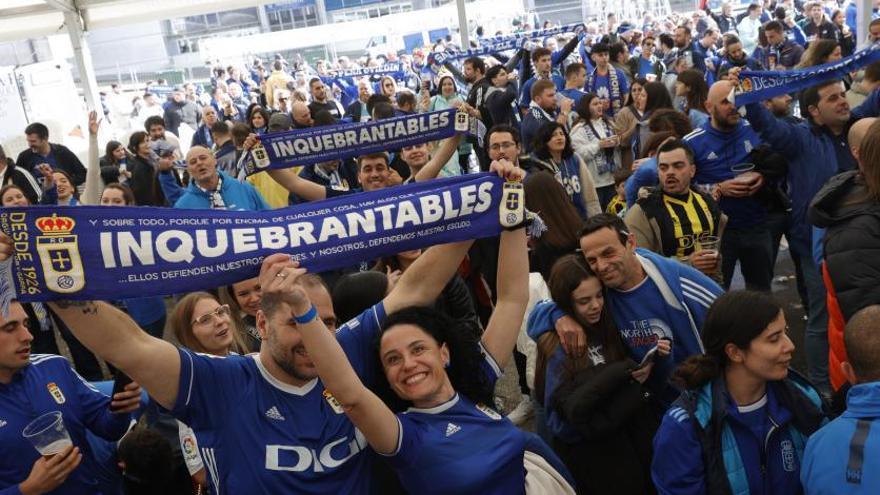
(745, 172)
(708, 243)
(47, 434)
(650, 77)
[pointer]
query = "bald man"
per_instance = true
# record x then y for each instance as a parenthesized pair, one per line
(208, 188)
(727, 140)
(856, 135)
(302, 116)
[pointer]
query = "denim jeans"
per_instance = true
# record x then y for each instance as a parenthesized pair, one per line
(751, 247)
(816, 338)
(779, 223)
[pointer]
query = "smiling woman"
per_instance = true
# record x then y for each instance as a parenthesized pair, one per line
(199, 322)
(752, 413)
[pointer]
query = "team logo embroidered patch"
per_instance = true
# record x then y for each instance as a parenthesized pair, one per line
(56, 393)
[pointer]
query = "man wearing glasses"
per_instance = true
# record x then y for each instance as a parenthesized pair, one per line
(646, 65)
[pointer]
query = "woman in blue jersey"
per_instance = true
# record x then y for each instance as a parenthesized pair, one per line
(553, 153)
(449, 441)
(743, 421)
(597, 411)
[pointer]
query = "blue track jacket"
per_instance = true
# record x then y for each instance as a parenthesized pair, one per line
(814, 155)
(830, 466)
(752, 465)
(686, 290)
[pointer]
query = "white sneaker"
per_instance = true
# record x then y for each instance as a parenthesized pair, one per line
(522, 412)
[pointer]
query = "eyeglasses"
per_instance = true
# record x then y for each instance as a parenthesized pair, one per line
(220, 313)
(505, 145)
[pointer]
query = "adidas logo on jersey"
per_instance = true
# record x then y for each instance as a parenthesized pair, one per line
(273, 413)
(452, 429)
(2, 423)
(711, 156)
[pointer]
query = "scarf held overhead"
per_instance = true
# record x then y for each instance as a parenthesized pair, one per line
(755, 86)
(98, 252)
(306, 146)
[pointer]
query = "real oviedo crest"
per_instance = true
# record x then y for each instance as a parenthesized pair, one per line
(58, 250)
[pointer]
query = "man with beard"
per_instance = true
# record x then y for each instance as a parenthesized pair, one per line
(675, 219)
(543, 109)
(40, 151)
(719, 145)
(321, 100)
(735, 56)
(264, 422)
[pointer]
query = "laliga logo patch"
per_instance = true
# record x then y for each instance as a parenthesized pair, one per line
(334, 404)
(59, 254)
(488, 411)
(56, 393)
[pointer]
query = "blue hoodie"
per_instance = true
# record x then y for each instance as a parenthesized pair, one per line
(236, 195)
(714, 153)
(814, 155)
(688, 295)
(829, 451)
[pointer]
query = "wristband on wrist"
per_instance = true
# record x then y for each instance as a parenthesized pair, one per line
(310, 315)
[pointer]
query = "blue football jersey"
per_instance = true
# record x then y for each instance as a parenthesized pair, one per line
(460, 447)
(47, 384)
(259, 435)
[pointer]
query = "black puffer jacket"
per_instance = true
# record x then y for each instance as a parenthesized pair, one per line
(611, 412)
(852, 240)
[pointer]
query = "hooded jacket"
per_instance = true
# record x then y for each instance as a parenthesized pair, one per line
(851, 241)
(830, 466)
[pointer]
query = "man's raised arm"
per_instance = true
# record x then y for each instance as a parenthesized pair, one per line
(114, 337)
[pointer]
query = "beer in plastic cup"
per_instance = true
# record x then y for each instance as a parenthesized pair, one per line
(47, 434)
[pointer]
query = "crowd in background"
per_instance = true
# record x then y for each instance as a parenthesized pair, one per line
(639, 369)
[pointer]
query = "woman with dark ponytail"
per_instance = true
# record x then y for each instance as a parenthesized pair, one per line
(744, 418)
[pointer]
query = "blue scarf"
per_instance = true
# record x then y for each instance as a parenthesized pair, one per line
(346, 140)
(755, 86)
(96, 252)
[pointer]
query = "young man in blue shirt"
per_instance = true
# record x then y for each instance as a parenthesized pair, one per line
(35, 384)
(607, 81)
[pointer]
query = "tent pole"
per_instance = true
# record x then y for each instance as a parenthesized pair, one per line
(83, 57)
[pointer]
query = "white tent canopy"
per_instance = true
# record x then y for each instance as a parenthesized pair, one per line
(22, 19)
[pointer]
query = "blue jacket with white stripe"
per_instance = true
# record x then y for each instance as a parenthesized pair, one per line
(705, 446)
(688, 292)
